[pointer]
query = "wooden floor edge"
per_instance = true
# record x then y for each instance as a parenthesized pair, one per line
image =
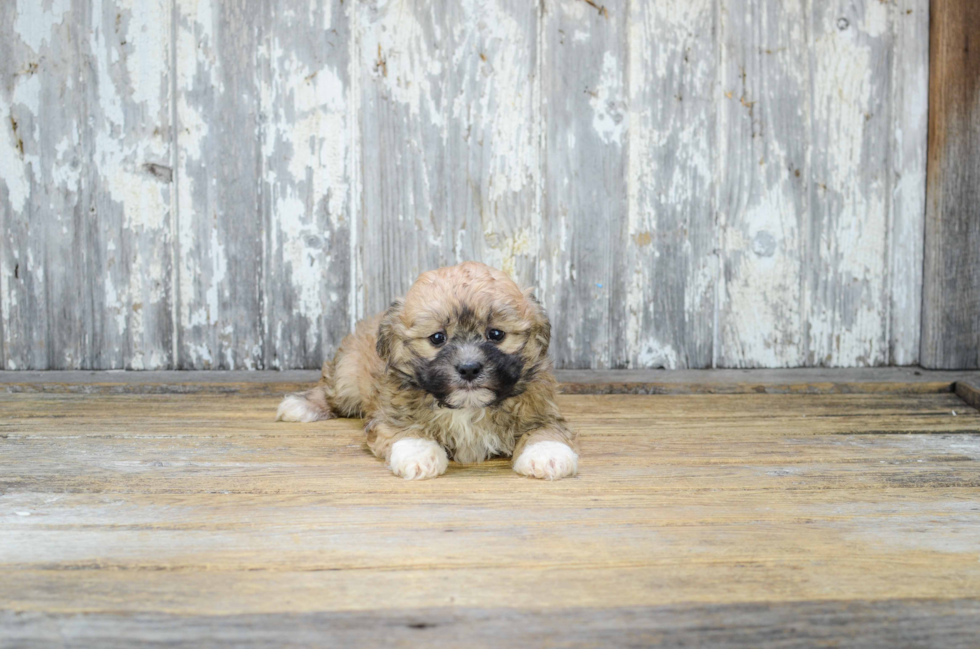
(889, 380)
(969, 391)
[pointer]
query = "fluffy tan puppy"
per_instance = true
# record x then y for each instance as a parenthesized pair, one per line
(457, 369)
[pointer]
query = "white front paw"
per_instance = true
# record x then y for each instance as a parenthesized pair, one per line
(417, 459)
(547, 460)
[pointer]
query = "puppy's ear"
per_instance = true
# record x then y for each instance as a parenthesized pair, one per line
(386, 332)
(541, 329)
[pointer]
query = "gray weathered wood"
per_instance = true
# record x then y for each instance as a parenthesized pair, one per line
(584, 213)
(220, 244)
(726, 183)
(447, 138)
(670, 258)
(846, 269)
(307, 195)
(876, 380)
(968, 389)
(492, 134)
(762, 165)
(951, 287)
(85, 185)
(405, 226)
(820, 226)
(909, 108)
(788, 625)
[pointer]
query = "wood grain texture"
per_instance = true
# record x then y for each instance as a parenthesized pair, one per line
(763, 208)
(220, 245)
(307, 194)
(493, 133)
(720, 183)
(890, 380)
(968, 389)
(720, 517)
(917, 623)
(266, 195)
(670, 257)
(585, 90)
(406, 226)
(909, 109)
(821, 228)
(85, 185)
(951, 286)
(847, 258)
(448, 125)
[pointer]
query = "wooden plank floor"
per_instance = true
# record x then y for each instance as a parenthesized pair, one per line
(714, 520)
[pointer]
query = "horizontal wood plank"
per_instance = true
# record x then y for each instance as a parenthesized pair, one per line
(969, 391)
(787, 381)
(905, 622)
(156, 517)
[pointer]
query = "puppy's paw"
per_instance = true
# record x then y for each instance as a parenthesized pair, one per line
(547, 460)
(304, 407)
(417, 459)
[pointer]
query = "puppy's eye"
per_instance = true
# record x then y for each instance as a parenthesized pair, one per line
(496, 335)
(437, 338)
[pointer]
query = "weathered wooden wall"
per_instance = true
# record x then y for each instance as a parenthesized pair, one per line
(951, 283)
(689, 183)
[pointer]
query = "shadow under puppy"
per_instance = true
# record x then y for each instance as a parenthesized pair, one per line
(457, 369)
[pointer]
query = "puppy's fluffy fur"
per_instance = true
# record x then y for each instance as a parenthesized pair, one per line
(457, 369)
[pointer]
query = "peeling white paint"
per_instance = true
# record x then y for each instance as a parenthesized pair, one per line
(13, 173)
(670, 170)
(655, 354)
(608, 117)
(15, 164)
(470, 81)
(503, 251)
(400, 61)
(513, 154)
(34, 21)
(148, 65)
(198, 304)
(764, 288)
(855, 251)
(909, 103)
(315, 173)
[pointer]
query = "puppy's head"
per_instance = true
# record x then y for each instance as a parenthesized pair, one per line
(467, 335)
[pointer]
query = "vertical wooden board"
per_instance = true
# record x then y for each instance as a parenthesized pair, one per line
(492, 134)
(306, 188)
(406, 226)
(670, 255)
(220, 244)
(25, 105)
(86, 173)
(762, 199)
(447, 139)
(847, 303)
(951, 282)
(909, 107)
(133, 150)
(584, 214)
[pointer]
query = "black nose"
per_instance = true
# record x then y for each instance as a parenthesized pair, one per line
(469, 371)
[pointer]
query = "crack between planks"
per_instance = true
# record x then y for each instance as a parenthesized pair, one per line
(355, 160)
(175, 196)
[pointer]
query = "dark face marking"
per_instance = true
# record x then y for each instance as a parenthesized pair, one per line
(502, 373)
(434, 376)
(506, 373)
